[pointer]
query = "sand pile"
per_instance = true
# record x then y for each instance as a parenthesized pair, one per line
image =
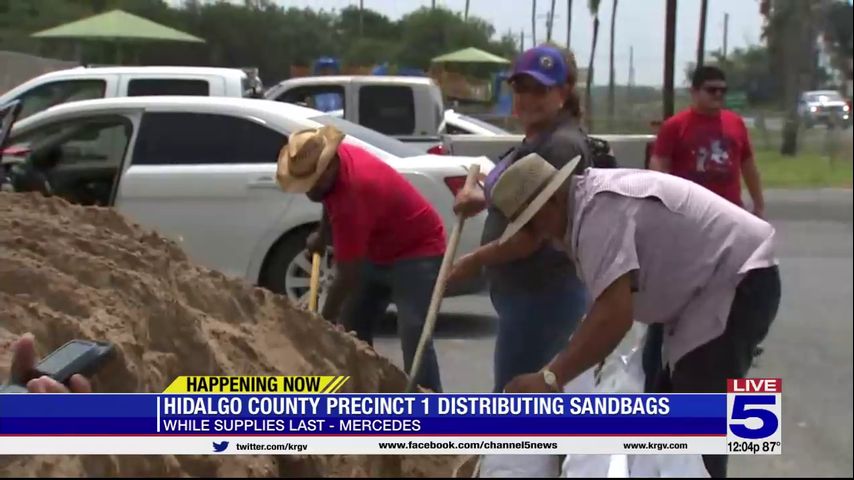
(71, 272)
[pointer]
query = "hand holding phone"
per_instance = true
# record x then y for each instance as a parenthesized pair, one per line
(65, 368)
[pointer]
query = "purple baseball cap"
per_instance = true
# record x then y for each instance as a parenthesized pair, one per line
(546, 64)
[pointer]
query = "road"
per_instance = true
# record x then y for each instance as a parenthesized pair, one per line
(809, 347)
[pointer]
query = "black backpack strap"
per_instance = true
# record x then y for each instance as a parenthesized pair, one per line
(600, 151)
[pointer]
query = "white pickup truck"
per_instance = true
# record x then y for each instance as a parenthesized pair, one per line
(407, 108)
(87, 83)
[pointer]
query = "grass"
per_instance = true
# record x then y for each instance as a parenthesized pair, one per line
(804, 170)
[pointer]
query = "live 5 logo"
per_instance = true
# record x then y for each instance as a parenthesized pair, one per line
(754, 410)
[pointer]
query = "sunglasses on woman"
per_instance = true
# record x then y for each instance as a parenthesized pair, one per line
(531, 87)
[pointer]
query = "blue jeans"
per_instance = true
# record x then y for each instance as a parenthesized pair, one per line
(409, 284)
(534, 327)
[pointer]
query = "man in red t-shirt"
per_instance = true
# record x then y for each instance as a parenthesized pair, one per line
(708, 144)
(388, 241)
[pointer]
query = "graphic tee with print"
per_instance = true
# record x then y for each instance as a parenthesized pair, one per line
(706, 149)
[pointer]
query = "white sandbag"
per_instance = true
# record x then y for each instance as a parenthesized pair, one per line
(537, 466)
(667, 466)
(622, 371)
(586, 466)
(519, 466)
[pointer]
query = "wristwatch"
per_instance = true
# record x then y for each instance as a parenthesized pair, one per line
(551, 380)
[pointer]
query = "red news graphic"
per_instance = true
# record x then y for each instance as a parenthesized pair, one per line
(754, 385)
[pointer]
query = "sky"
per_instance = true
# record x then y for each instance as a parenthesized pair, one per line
(640, 24)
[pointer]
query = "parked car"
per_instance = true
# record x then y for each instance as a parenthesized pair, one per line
(201, 170)
(823, 106)
(85, 83)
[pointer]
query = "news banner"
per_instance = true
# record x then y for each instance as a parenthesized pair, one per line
(305, 415)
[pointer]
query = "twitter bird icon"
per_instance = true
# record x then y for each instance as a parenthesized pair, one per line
(219, 447)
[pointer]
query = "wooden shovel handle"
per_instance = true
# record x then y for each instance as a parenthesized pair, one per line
(439, 288)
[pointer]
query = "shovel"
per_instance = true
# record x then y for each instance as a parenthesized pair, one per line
(314, 284)
(439, 288)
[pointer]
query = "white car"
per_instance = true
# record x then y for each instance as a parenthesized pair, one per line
(202, 171)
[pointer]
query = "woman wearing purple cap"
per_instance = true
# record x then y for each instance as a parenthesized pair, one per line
(533, 287)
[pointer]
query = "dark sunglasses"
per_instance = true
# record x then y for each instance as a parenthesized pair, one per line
(715, 90)
(529, 87)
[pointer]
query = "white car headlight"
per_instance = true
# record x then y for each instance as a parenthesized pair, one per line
(813, 109)
(845, 108)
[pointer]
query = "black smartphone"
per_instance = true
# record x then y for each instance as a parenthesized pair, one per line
(77, 356)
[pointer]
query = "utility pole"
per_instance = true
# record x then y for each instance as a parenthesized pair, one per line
(533, 22)
(631, 74)
(361, 18)
(701, 40)
(632, 66)
(466, 14)
(568, 23)
(551, 22)
(669, 58)
(522, 40)
(726, 33)
(433, 4)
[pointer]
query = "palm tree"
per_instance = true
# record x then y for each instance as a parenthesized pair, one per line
(611, 73)
(593, 6)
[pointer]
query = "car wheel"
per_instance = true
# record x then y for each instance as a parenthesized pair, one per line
(288, 269)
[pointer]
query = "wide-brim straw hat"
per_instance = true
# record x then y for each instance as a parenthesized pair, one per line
(306, 156)
(525, 187)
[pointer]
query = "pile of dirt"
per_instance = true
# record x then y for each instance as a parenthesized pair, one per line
(73, 272)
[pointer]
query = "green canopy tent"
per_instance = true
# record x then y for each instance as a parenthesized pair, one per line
(466, 79)
(470, 55)
(118, 27)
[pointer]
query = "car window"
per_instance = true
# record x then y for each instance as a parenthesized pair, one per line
(372, 137)
(167, 138)
(167, 86)
(451, 129)
(54, 93)
(825, 96)
(387, 109)
(325, 98)
(81, 157)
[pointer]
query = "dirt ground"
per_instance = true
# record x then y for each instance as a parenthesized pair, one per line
(72, 272)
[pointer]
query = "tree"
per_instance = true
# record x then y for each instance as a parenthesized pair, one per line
(750, 70)
(351, 23)
(836, 27)
(427, 33)
(257, 33)
(790, 33)
(611, 64)
(593, 6)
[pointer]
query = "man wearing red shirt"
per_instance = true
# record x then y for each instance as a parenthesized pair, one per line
(388, 241)
(708, 144)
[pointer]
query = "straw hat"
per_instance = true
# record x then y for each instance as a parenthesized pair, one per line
(304, 159)
(525, 187)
